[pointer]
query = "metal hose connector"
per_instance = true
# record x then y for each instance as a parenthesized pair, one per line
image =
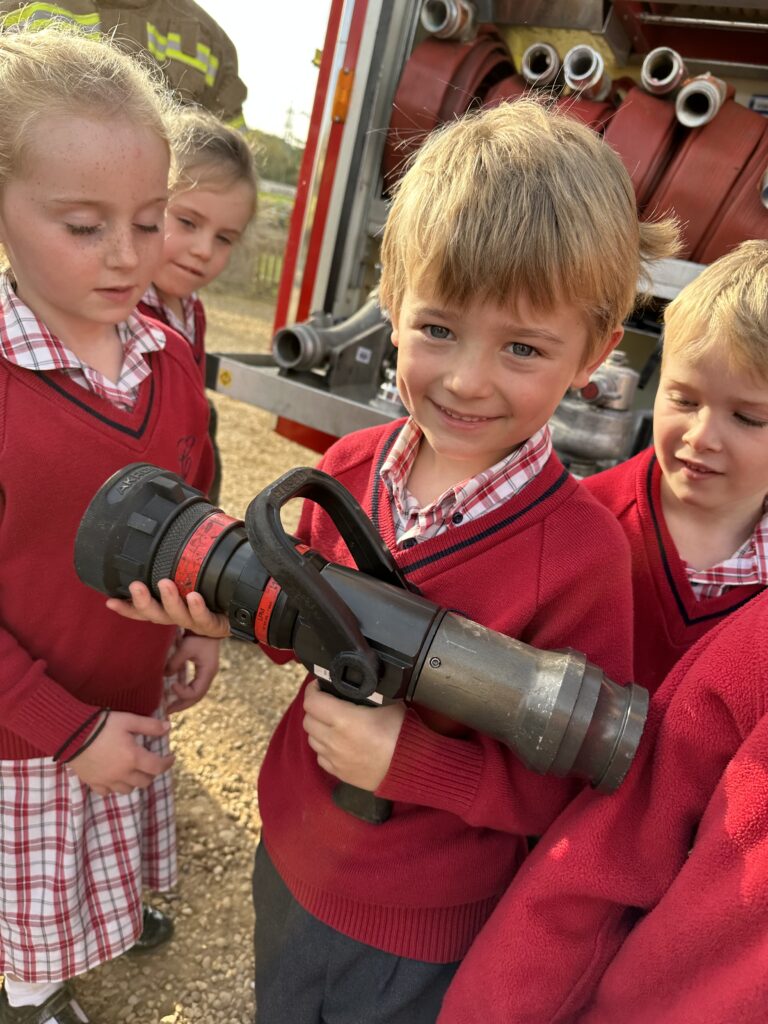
(699, 100)
(584, 72)
(764, 189)
(663, 71)
(305, 346)
(540, 65)
(448, 19)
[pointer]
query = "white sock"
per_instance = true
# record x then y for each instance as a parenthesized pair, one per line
(23, 993)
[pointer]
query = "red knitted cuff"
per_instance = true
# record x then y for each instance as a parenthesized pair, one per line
(431, 769)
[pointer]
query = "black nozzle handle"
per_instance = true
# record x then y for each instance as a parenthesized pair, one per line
(354, 666)
(318, 604)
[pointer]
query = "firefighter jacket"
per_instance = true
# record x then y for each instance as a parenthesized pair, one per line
(197, 56)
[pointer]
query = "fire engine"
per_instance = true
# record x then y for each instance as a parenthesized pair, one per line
(679, 90)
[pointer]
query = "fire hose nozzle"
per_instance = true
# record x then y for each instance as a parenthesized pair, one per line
(540, 65)
(699, 100)
(449, 19)
(363, 631)
(584, 72)
(663, 71)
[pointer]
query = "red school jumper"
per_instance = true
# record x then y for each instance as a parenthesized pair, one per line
(197, 343)
(668, 616)
(649, 906)
(549, 566)
(63, 654)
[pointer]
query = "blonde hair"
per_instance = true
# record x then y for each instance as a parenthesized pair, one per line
(209, 153)
(521, 200)
(60, 70)
(725, 306)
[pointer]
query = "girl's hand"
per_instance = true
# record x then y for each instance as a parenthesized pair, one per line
(115, 762)
(203, 652)
(191, 614)
(353, 742)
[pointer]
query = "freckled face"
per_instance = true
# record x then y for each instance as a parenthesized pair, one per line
(710, 431)
(482, 379)
(201, 227)
(81, 221)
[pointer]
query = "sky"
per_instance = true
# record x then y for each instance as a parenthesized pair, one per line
(276, 44)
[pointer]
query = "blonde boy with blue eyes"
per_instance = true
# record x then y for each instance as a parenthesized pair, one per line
(510, 258)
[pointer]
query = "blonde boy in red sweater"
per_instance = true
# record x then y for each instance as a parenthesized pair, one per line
(510, 257)
(693, 505)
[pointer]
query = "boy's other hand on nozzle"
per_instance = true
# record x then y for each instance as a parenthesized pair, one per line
(115, 762)
(191, 614)
(354, 742)
(203, 652)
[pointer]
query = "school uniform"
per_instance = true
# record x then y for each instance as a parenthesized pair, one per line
(191, 326)
(73, 864)
(498, 549)
(674, 604)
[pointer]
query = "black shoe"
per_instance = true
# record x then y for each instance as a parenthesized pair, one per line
(61, 1007)
(156, 931)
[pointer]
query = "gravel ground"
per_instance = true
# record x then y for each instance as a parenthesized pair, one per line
(205, 974)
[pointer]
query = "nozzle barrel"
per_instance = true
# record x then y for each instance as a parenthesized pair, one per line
(554, 709)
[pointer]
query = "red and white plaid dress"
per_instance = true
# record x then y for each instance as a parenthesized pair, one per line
(469, 499)
(73, 864)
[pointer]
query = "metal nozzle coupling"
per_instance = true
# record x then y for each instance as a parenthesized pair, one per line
(540, 65)
(662, 72)
(699, 100)
(448, 19)
(306, 345)
(584, 72)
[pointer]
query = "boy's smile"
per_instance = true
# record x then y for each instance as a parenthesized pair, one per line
(480, 380)
(710, 429)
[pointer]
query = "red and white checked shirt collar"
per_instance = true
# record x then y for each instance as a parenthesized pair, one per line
(746, 566)
(469, 499)
(185, 325)
(27, 342)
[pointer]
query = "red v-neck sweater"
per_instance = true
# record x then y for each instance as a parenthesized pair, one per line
(197, 343)
(549, 566)
(668, 617)
(649, 906)
(62, 653)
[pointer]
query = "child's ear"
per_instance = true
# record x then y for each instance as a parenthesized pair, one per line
(582, 377)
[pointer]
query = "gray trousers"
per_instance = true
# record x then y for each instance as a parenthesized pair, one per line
(308, 973)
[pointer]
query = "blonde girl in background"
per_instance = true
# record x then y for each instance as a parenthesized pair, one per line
(86, 386)
(211, 206)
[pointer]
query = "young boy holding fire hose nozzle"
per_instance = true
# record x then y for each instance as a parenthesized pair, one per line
(510, 257)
